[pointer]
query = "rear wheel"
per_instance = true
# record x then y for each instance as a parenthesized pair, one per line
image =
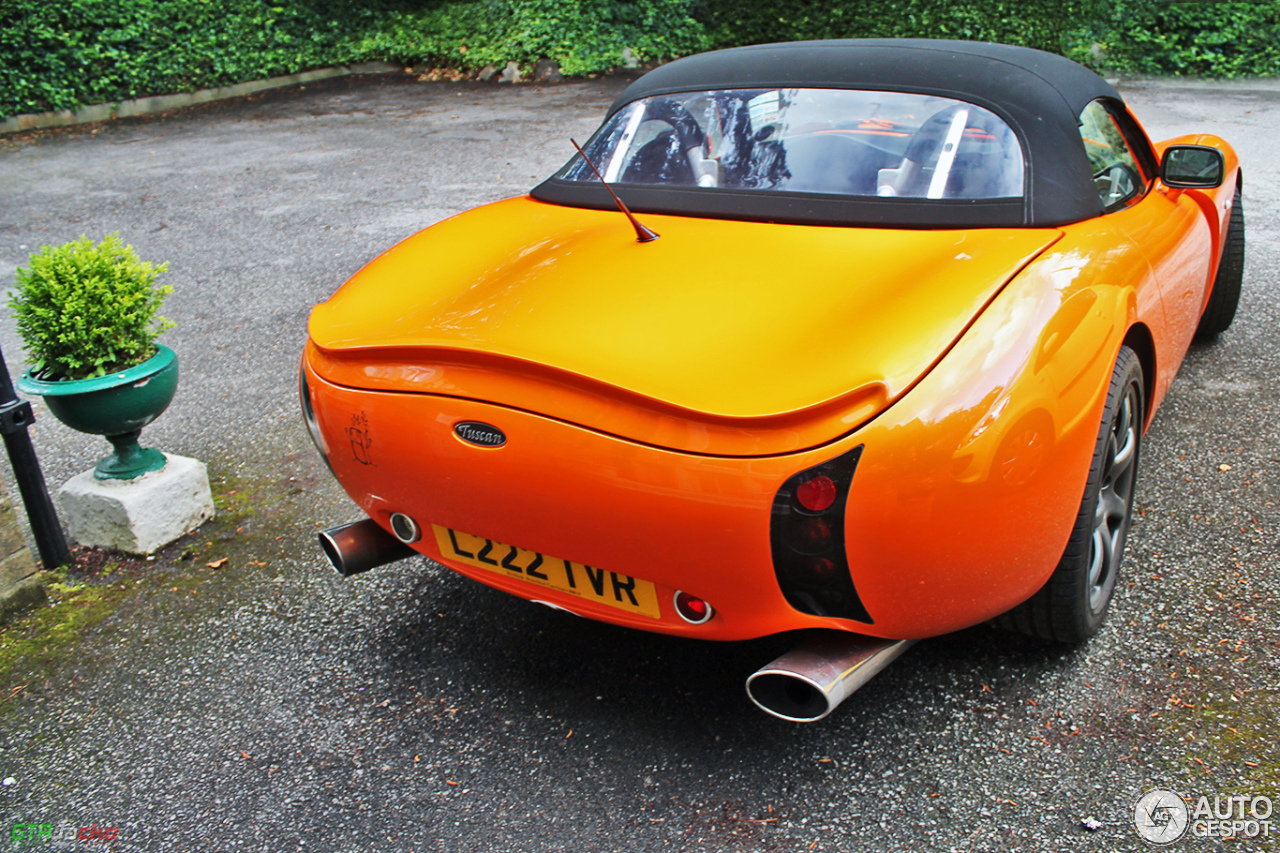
(1071, 605)
(1225, 296)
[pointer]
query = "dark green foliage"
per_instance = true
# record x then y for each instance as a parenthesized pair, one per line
(65, 54)
(1208, 39)
(585, 36)
(87, 310)
(1044, 24)
(74, 52)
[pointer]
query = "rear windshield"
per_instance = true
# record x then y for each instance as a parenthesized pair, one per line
(835, 141)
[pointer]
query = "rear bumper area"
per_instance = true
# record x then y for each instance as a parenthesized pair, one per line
(601, 512)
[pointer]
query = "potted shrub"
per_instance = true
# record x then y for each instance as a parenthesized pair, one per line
(87, 315)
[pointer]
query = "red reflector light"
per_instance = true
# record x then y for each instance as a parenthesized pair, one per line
(817, 494)
(821, 570)
(692, 609)
(811, 536)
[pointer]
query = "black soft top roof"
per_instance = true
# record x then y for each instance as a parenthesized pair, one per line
(1039, 94)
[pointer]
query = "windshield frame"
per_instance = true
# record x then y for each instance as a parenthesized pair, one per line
(803, 208)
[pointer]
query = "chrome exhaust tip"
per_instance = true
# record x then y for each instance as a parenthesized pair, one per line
(808, 682)
(360, 546)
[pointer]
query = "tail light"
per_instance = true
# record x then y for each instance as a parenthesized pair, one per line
(817, 493)
(807, 537)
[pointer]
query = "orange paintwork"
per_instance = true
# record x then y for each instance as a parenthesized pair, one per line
(655, 397)
(683, 342)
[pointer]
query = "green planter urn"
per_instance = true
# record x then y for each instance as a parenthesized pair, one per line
(117, 406)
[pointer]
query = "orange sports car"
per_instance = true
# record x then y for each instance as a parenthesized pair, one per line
(853, 336)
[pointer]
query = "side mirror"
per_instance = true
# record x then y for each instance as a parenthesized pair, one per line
(1192, 166)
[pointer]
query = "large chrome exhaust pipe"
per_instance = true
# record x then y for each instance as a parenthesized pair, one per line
(360, 546)
(808, 682)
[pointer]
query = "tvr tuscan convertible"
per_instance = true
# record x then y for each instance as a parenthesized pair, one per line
(853, 336)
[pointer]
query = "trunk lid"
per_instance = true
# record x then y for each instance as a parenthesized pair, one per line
(741, 338)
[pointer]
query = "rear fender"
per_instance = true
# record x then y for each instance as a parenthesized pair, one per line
(965, 496)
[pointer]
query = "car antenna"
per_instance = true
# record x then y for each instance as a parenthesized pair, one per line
(643, 235)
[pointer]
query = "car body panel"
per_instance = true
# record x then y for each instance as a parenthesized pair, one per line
(987, 453)
(1182, 231)
(688, 325)
(655, 398)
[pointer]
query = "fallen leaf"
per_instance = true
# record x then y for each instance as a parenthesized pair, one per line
(244, 754)
(1224, 467)
(217, 564)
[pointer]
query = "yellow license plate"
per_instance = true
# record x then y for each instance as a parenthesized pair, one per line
(587, 582)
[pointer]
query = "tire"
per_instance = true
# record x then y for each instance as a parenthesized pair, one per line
(1072, 604)
(1225, 295)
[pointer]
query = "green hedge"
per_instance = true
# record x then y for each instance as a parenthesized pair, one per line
(65, 54)
(1206, 39)
(68, 53)
(585, 36)
(1045, 24)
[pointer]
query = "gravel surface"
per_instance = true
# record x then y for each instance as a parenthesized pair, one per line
(269, 705)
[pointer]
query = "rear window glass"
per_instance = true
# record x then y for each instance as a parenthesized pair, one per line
(835, 141)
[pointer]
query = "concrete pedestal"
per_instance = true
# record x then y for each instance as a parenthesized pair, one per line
(141, 515)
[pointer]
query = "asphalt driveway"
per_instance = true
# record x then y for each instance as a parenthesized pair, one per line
(262, 703)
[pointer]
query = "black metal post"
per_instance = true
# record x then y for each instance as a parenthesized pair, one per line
(15, 417)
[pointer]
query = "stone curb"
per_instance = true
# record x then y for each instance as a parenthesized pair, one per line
(21, 596)
(160, 103)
